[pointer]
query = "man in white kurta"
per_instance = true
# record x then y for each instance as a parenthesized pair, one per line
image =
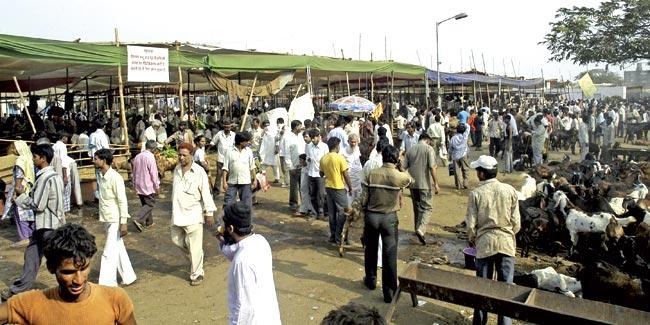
(224, 140)
(269, 151)
(251, 289)
(114, 213)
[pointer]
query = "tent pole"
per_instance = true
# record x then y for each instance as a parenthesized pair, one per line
(87, 99)
(328, 88)
(144, 99)
(487, 86)
(297, 92)
(499, 92)
(22, 100)
(180, 83)
(108, 94)
(372, 87)
(125, 132)
(392, 87)
(189, 94)
(426, 91)
(248, 104)
(347, 79)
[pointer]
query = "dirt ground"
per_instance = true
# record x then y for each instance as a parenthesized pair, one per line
(310, 277)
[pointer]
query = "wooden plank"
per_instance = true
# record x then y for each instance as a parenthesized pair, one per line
(512, 300)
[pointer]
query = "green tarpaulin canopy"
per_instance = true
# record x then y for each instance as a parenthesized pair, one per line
(35, 58)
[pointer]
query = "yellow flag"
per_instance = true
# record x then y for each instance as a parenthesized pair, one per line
(587, 86)
(376, 113)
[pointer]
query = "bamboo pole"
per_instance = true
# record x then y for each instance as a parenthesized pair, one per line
(297, 92)
(180, 83)
(328, 88)
(347, 80)
(392, 87)
(125, 132)
(487, 85)
(372, 87)
(426, 90)
(22, 101)
(248, 104)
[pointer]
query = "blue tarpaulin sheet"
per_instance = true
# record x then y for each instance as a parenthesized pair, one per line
(447, 78)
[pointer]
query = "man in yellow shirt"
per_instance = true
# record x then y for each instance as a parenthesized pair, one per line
(335, 169)
(68, 252)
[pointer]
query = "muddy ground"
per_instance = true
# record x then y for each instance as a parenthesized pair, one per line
(310, 277)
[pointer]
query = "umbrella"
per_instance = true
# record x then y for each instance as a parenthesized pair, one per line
(352, 103)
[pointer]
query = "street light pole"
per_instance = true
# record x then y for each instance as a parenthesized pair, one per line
(456, 17)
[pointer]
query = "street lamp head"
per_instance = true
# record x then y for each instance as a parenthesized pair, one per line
(460, 16)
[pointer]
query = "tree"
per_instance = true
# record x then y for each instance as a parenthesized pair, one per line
(601, 76)
(617, 32)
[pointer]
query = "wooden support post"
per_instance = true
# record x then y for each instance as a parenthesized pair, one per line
(248, 104)
(180, 83)
(372, 87)
(109, 103)
(426, 90)
(347, 79)
(189, 94)
(125, 132)
(297, 92)
(25, 108)
(392, 87)
(328, 88)
(87, 100)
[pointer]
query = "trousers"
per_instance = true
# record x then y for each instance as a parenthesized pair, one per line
(33, 256)
(317, 194)
(460, 176)
(115, 259)
(504, 266)
(421, 208)
(144, 215)
(382, 225)
(337, 201)
(305, 201)
(242, 190)
(294, 188)
(190, 240)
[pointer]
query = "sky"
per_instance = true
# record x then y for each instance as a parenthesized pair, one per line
(502, 35)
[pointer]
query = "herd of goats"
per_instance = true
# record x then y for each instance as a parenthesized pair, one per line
(599, 216)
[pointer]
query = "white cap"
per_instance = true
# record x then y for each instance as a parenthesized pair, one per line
(487, 162)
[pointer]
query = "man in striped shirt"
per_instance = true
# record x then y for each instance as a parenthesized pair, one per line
(46, 200)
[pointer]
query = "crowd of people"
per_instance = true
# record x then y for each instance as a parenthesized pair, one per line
(330, 164)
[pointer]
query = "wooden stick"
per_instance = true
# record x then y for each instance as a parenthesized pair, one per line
(347, 79)
(392, 89)
(248, 104)
(297, 92)
(372, 87)
(180, 83)
(487, 85)
(426, 90)
(22, 101)
(125, 132)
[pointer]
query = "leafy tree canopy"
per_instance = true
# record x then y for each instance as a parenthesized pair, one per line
(617, 32)
(602, 76)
